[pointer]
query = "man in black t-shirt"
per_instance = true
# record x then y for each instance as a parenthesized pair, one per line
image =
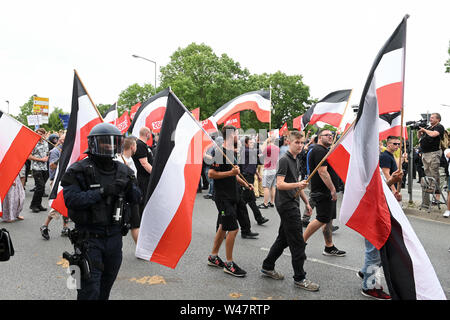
(143, 160)
(288, 207)
(227, 197)
(323, 193)
(388, 164)
(430, 143)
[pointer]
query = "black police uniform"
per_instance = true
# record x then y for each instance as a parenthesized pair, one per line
(92, 189)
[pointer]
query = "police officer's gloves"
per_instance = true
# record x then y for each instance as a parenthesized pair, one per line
(114, 189)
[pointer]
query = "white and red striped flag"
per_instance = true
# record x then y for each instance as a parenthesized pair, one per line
(370, 208)
(16, 144)
(166, 225)
(329, 110)
(83, 117)
(257, 101)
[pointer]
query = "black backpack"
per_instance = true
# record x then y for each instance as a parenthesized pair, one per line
(6, 246)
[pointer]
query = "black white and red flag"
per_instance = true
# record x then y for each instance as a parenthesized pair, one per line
(166, 225)
(111, 114)
(150, 114)
(83, 117)
(390, 125)
(257, 101)
(329, 110)
(370, 208)
(16, 144)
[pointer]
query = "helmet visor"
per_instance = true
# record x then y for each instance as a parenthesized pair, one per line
(106, 146)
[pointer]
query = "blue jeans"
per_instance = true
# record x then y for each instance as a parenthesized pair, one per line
(372, 264)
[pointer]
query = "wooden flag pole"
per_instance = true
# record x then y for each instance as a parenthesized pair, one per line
(326, 156)
(399, 185)
(342, 119)
(96, 110)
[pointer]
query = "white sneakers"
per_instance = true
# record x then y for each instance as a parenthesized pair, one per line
(446, 214)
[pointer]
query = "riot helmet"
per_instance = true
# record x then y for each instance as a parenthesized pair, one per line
(105, 140)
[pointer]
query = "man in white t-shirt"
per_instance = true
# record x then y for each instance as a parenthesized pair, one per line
(129, 149)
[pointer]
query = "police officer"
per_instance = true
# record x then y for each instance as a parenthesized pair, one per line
(100, 195)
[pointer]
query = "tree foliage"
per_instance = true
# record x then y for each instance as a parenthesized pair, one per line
(202, 79)
(54, 122)
(132, 95)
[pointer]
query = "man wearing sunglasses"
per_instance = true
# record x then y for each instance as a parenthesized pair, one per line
(388, 164)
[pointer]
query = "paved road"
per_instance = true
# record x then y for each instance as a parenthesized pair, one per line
(37, 270)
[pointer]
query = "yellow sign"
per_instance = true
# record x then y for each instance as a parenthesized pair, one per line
(40, 105)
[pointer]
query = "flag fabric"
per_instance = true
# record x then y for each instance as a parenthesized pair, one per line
(284, 129)
(329, 110)
(83, 117)
(196, 113)
(370, 208)
(111, 114)
(150, 114)
(339, 159)
(257, 101)
(16, 144)
(123, 123)
(166, 225)
(390, 125)
(234, 120)
(297, 123)
(134, 109)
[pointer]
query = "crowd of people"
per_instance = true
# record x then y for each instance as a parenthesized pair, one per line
(239, 170)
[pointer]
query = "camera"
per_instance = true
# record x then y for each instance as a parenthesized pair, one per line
(416, 125)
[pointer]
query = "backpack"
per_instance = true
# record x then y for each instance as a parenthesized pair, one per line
(445, 140)
(6, 246)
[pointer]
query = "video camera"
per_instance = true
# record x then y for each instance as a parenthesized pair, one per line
(79, 257)
(416, 125)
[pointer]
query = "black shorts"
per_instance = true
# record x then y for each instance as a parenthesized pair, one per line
(227, 215)
(325, 207)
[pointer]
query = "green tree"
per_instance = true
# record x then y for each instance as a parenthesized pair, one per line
(25, 110)
(54, 122)
(132, 95)
(202, 79)
(290, 97)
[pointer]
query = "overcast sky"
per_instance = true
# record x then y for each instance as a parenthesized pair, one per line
(331, 43)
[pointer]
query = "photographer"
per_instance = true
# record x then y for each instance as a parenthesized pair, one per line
(430, 138)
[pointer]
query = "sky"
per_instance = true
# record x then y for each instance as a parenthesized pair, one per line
(332, 44)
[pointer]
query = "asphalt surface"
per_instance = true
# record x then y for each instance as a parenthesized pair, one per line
(38, 272)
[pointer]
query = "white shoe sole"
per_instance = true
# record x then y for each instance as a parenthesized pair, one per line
(332, 254)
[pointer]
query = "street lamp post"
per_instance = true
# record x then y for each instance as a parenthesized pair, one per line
(136, 56)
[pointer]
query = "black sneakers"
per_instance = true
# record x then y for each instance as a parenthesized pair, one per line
(215, 261)
(333, 251)
(233, 269)
(45, 232)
